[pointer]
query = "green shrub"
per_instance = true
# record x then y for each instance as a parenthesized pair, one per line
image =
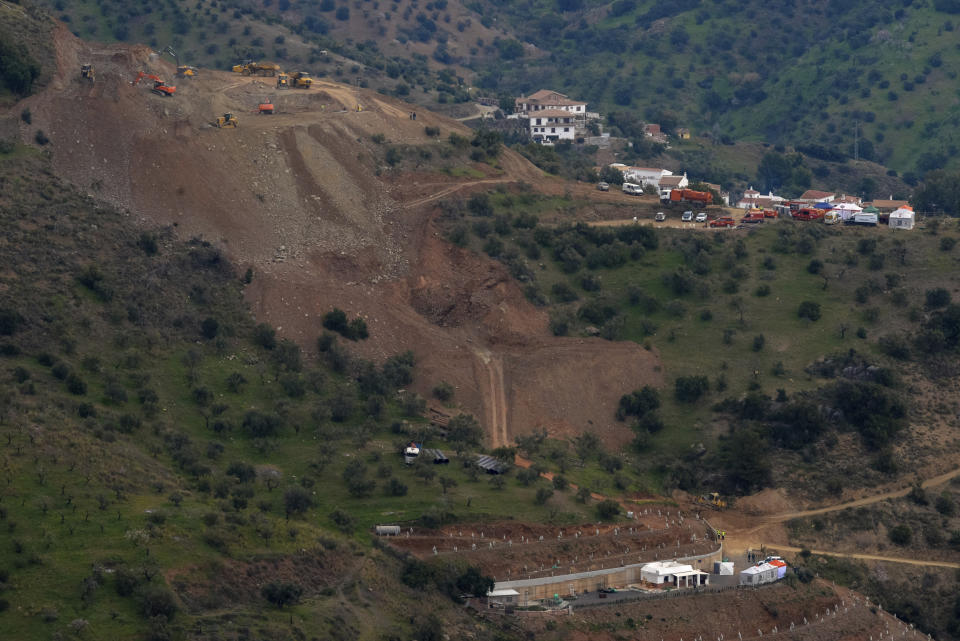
(809, 310)
(689, 389)
(900, 535)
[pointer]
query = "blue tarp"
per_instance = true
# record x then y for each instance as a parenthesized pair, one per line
(822, 206)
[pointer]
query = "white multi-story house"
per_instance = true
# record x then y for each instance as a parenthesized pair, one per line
(549, 125)
(552, 115)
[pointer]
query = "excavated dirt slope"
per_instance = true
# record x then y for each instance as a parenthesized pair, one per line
(296, 196)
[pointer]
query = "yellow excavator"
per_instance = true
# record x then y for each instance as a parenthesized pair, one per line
(711, 500)
(183, 71)
(87, 72)
(226, 120)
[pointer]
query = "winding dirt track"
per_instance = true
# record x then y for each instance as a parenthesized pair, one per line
(866, 557)
(868, 500)
(740, 541)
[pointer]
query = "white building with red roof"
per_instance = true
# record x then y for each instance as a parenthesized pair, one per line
(552, 115)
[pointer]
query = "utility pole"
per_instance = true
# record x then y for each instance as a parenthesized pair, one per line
(856, 140)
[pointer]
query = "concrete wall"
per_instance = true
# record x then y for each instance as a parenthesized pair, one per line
(571, 584)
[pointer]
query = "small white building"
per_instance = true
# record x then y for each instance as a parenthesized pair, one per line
(646, 176)
(671, 572)
(669, 183)
(815, 196)
(903, 218)
(753, 199)
(504, 596)
(758, 574)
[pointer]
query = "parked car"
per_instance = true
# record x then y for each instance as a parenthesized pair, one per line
(602, 186)
(660, 217)
(770, 213)
(752, 217)
(687, 217)
(702, 217)
(723, 221)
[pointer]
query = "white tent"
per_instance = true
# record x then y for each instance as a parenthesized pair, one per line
(902, 218)
(847, 210)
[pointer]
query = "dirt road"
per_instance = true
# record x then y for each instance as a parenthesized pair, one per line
(496, 397)
(867, 500)
(748, 539)
(864, 557)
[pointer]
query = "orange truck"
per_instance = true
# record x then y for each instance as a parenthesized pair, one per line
(690, 196)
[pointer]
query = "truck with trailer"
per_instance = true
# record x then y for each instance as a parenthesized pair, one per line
(691, 196)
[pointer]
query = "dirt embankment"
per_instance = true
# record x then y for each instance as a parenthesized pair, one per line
(522, 550)
(300, 197)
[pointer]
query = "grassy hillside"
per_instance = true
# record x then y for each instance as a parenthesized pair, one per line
(924, 525)
(26, 50)
(166, 461)
(725, 311)
(782, 72)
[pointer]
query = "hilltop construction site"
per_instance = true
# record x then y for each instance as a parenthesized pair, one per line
(304, 198)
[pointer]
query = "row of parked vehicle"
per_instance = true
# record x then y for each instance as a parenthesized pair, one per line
(751, 217)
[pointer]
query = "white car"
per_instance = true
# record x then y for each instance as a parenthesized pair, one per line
(702, 217)
(660, 217)
(686, 217)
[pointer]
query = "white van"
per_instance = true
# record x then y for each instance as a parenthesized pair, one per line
(831, 218)
(632, 188)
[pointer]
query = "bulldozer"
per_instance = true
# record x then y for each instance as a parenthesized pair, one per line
(87, 72)
(300, 80)
(226, 120)
(711, 500)
(250, 68)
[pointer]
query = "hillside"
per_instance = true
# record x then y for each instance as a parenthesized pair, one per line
(810, 73)
(216, 342)
(331, 206)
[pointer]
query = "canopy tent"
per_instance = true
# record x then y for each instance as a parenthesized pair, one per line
(822, 206)
(847, 210)
(871, 210)
(903, 218)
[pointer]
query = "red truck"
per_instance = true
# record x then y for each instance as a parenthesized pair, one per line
(808, 213)
(723, 221)
(752, 217)
(691, 195)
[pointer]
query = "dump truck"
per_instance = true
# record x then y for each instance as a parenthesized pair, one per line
(283, 81)
(251, 68)
(690, 196)
(226, 120)
(87, 72)
(300, 80)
